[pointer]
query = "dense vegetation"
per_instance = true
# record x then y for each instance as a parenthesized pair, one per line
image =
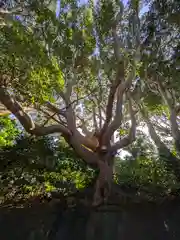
(40, 167)
(94, 89)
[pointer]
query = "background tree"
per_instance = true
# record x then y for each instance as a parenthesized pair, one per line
(159, 76)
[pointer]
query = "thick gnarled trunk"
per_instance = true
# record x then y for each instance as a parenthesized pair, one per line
(104, 180)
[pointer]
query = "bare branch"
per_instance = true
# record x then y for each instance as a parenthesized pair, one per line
(162, 128)
(116, 44)
(55, 109)
(117, 119)
(83, 127)
(109, 130)
(152, 131)
(80, 98)
(97, 115)
(69, 89)
(170, 160)
(132, 132)
(15, 108)
(94, 118)
(49, 118)
(100, 116)
(77, 141)
(116, 40)
(16, 10)
(4, 111)
(54, 117)
(164, 94)
(113, 87)
(70, 115)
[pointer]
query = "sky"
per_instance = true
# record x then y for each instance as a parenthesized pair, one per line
(143, 10)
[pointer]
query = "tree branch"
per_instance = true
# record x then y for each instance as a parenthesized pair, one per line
(94, 118)
(70, 115)
(15, 10)
(116, 44)
(100, 116)
(172, 163)
(173, 114)
(124, 86)
(164, 94)
(162, 128)
(59, 120)
(132, 132)
(113, 88)
(15, 108)
(117, 119)
(152, 131)
(55, 109)
(4, 111)
(77, 142)
(83, 127)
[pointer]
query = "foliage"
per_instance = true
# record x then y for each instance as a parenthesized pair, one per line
(38, 166)
(146, 174)
(8, 131)
(142, 147)
(41, 166)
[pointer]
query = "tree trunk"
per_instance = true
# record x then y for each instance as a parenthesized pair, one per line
(175, 129)
(104, 180)
(172, 163)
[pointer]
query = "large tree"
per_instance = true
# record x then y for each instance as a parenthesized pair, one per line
(79, 70)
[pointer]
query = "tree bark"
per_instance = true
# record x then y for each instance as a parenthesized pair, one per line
(104, 179)
(168, 100)
(25, 119)
(171, 162)
(175, 129)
